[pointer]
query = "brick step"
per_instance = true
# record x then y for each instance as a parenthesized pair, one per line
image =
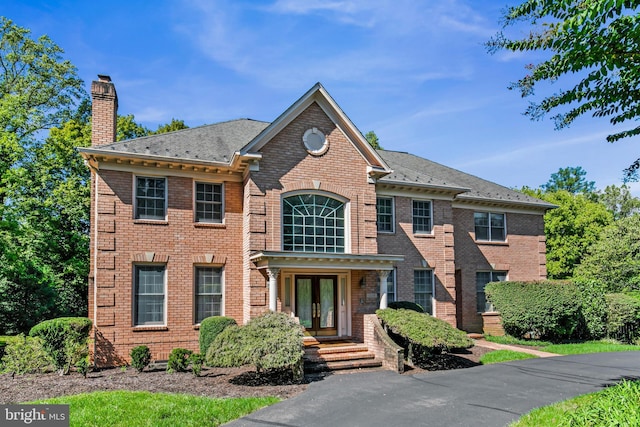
(348, 348)
(342, 365)
(336, 356)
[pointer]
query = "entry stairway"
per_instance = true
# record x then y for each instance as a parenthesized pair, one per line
(331, 354)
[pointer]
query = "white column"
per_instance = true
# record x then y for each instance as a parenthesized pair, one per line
(273, 288)
(382, 278)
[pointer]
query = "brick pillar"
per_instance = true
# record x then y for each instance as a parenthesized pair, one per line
(104, 111)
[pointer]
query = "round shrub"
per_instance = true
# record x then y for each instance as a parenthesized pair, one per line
(178, 360)
(623, 320)
(546, 310)
(408, 305)
(140, 357)
(210, 328)
(64, 339)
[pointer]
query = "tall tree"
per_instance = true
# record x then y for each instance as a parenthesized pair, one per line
(39, 89)
(599, 42)
(571, 179)
(172, 126)
(373, 140)
(619, 201)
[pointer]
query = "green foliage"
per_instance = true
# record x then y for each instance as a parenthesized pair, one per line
(596, 41)
(420, 334)
(372, 139)
(270, 341)
(593, 306)
(178, 360)
(196, 360)
(619, 201)
(545, 310)
(623, 322)
(500, 356)
(140, 357)
(64, 339)
(570, 179)
(172, 126)
(409, 305)
(143, 408)
(25, 355)
(210, 328)
(614, 259)
(82, 365)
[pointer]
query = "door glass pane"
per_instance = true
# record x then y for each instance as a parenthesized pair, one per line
(303, 302)
(327, 310)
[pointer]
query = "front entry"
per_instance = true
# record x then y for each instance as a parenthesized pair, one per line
(316, 298)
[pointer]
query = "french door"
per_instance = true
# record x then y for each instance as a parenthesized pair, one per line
(316, 298)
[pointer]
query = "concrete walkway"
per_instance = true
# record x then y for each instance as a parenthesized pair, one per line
(491, 395)
(496, 346)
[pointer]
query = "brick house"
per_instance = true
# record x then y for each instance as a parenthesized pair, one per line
(299, 215)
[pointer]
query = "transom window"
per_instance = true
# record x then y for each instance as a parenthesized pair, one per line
(149, 295)
(422, 216)
(423, 289)
(384, 208)
(208, 202)
(482, 278)
(490, 226)
(208, 292)
(151, 198)
(313, 223)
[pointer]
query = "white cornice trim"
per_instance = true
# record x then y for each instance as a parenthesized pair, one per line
(277, 259)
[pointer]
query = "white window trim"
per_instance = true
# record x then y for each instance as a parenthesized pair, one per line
(347, 214)
(422, 233)
(433, 288)
(195, 289)
(194, 201)
(393, 214)
(135, 197)
(490, 238)
(134, 299)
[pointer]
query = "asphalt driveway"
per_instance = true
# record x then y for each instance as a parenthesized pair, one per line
(492, 395)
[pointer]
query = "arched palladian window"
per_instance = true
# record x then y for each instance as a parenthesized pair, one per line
(313, 223)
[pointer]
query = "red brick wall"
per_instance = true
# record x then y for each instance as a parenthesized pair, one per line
(522, 256)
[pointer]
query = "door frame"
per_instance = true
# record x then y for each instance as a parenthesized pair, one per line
(316, 328)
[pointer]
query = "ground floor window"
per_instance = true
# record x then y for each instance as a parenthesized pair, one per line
(423, 289)
(208, 292)
(482, 278)
(391, 286)
(149, 295)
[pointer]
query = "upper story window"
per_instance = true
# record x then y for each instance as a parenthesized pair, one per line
(151, 198)
(209, 202)
(490, 226)
(385, 217)
(313, 223)
(422, 216)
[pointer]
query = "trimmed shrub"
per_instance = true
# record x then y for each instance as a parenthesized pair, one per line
(270, 341)
(196, 360)
(210, 328)
(408, 305)
(420, 334)
(623, 322)
(593, 307)
(178, 360)
(25, 355)
(64, 339)
(140, 357)
(541, 310)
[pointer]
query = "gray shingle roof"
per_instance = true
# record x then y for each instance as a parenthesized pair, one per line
(215, 143)
(409, 169)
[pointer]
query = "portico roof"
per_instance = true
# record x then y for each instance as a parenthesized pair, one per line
(280, 259)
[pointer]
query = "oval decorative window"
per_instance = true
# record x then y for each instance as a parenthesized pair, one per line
(315, 142)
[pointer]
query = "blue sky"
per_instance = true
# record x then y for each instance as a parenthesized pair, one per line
(415, 72)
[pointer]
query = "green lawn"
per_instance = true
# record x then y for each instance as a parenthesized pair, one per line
(504, 356)
(509, 340)
(589, 347)
(138, 408)
(614, 406)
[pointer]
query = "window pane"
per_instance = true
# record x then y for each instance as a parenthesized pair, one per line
(150, 198)
(384, 206)
(149, 295)
(423, 289)
(208, 202)
(482, 278)
(323, 219)
(490, 226)
(421, 216)
(391, 286)
(208, 292)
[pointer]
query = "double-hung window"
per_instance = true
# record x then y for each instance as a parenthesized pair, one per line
(151, 198)
(391, 286)
(208, 292)
(422, 217)
(490, 226)
(482, 278)
(208, 201)
(149, 295)
(384, 208)
(423, 289)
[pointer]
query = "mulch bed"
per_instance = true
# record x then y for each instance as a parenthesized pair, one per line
(213, 382)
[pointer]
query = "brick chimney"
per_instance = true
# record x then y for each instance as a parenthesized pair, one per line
(104, 111)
